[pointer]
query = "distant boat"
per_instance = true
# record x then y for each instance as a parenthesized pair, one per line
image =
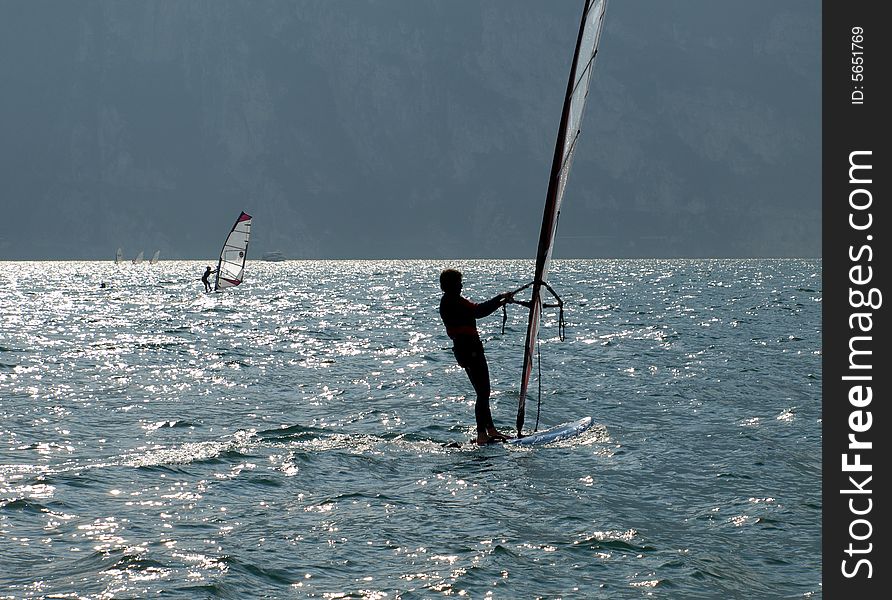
(119, 256)
(273, 256)
(155, 257)
(139, 258)
(231, 266)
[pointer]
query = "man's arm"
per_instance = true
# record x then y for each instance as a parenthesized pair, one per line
(484, 309)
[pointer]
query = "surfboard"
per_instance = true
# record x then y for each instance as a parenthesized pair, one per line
(554, 434)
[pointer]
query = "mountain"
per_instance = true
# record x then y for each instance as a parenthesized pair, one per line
(405, 128)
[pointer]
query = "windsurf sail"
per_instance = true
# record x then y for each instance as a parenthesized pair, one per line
(155, 257)
(231, 267)
(139, 258)
(119, 256)
(568, 134)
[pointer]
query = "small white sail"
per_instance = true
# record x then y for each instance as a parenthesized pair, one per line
(231, 267)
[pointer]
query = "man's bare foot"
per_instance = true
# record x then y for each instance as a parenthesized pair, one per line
(489, 438)
(494, 435)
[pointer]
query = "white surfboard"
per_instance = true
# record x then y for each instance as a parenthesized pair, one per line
(554, 434)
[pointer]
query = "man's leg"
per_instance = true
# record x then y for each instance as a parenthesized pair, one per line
(478, 373)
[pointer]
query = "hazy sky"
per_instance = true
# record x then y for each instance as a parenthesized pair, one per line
(406, 128)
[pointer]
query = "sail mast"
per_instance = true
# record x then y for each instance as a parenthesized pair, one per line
(568, 132)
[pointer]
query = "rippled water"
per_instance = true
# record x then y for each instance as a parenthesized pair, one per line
(288, 438)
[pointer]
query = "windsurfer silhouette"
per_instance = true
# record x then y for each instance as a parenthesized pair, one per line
(204, 279)
(460, 318)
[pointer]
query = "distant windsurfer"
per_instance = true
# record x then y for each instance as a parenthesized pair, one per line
(460, 318)
(204, 279)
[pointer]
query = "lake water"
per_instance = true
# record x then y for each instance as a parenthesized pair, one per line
(288, 438)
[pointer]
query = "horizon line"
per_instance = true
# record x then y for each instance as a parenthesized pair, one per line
(250, 259)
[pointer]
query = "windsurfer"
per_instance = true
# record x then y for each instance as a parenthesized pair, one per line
(459, 316)
(204, 279)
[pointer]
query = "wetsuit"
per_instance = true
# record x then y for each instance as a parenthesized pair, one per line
(204, 280)
(460, 318)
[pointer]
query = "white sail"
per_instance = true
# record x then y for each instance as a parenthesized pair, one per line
(119, 256)
(139, 258)
(231, 266)
(155, 257)
(568, 133)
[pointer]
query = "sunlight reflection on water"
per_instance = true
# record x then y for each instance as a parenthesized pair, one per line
(288, 437)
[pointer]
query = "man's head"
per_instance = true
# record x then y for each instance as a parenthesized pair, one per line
(450, 281)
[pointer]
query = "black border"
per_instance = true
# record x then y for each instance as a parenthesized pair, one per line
(850, 127)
